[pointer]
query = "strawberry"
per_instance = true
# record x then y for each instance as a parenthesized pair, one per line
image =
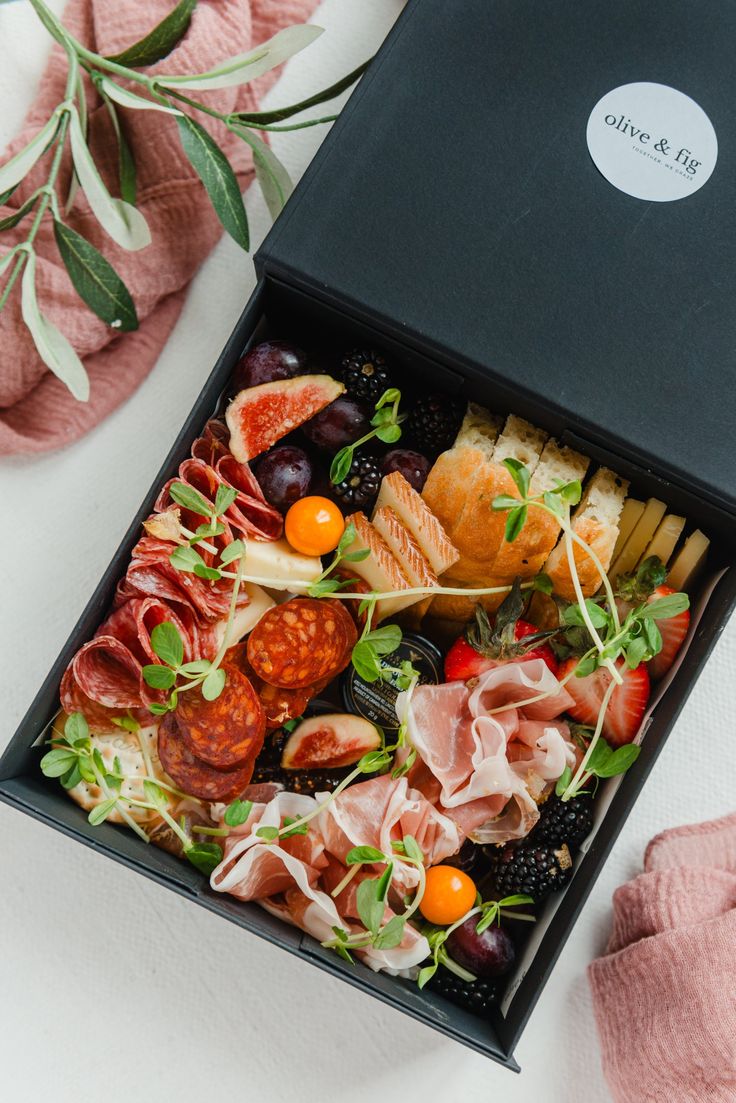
(625, 708)
(484, 646)
(673, 629)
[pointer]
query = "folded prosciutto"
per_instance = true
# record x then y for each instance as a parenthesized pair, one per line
(490, 747)
(294, 877)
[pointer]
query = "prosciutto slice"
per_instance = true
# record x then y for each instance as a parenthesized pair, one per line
(492, 746)
(380, 811)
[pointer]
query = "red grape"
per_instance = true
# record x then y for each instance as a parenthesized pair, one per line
(412, 465)
(340, 423)
(284, 475)
(267, 362)
(490, 954)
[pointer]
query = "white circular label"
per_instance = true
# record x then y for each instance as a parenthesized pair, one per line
(652, 142)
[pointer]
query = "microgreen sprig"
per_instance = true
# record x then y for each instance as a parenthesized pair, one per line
(386, 423)
(324, 585)
(602, 762)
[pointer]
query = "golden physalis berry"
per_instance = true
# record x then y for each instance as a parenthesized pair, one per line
(448, 895)
(314, 525)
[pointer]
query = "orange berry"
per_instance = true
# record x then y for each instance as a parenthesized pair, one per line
(448, 895)
(314, 525)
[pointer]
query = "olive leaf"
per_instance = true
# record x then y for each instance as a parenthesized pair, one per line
(274, 180)
(95, 280)
(19, 166)
(126, 162)
(53, 347)
(246, 67)
(123, 222)
(14, 218)
(129, 99)
(216, 173)
(264, 118)
(159, 41)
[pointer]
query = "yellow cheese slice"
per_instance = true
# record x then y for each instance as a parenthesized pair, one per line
(630, 515)
(665, 538)
(688, 561)
(640, 538)
(381, 570)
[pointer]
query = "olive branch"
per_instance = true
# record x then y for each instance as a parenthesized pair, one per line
(93, 277)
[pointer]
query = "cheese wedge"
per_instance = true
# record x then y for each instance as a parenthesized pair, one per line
(665, 538)
(640, 538)
(417, 517)
(688, 561)
(630, 515)
(408, 553)
(247, 618)
(380, 569)
(275, 564)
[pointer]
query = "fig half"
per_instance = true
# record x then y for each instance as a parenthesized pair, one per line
(324, 742)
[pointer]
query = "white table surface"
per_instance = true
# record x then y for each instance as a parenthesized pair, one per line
(114, 988)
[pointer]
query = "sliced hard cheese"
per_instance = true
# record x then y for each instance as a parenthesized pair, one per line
(640, 538)
(665, 538)
(380, 570)
(417, 517)
(406, 550)
(688, 561)
(630, 515)
(275, 564)
(247, 618)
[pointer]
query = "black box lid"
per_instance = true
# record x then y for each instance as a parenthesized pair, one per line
(456, 200)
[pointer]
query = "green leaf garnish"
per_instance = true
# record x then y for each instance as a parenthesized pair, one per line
(237, 812)
(206, 857)
(267, 833)
(213, 684)
(101, 811)
(233, 551)
(159, 677)
(189, 498)
(520, 474)
(515, 523)
(168, 644)
(364, 854)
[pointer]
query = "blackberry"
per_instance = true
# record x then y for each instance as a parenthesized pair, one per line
(529, 867)
(268, 768)
(563, 823)
(478, 996)
(435, 420)
(365, 375)
(360, 486)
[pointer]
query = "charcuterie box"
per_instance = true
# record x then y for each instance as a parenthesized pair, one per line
(481, 214)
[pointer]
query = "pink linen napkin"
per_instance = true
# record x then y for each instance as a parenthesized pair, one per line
(37, 413)
(665, 992)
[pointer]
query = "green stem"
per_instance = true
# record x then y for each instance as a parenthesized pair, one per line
(580, 772)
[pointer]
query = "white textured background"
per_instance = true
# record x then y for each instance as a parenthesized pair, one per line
(113, 988)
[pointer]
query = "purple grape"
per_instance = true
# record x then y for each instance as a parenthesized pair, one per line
(490, 954)
(412, 465)
(284, 475)
(467, 856)
(340, 423)
(267, 362)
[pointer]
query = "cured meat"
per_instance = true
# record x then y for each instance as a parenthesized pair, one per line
(227, 731)
(133, 622)
(381, 810)
(250, 513)
(107, 671)
(492, 753)
(302, 642)
(279, 704)
(151, 573)
(213, 444)
(98, 717)
(191, 774)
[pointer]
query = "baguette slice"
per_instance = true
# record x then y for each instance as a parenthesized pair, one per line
(665, 538)
(478, 531)
(688, 561)
(452, 473)
(404, 547)
(526, 556)
(380, 569)
(640, 538)
(596, 522)
(418, 518)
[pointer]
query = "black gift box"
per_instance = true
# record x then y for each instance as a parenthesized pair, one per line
(455, 218)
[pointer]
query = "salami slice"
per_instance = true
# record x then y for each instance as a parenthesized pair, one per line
(250, 513)
(302, 642)
(191, 774)
(213, 444)
(227, 731)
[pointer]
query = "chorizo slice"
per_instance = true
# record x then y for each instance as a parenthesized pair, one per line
(302, 642)
(191, 774)
(228, 730)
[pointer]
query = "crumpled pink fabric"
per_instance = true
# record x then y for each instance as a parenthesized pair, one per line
(665, 992)
(37, 413)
